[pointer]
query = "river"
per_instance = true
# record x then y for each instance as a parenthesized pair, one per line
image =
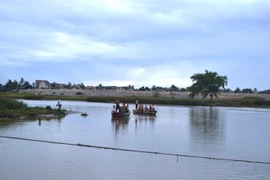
(218, 132)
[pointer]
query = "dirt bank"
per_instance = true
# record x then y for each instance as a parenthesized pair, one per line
(118, 93)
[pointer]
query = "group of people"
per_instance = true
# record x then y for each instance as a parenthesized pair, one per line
(124, 108)
(120, 107)
(141, 107)
(146, 108)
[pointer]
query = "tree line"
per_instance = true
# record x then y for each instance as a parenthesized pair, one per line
(204, 84)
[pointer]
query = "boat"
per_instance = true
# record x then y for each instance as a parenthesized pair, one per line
(117, 114)
(152, 112)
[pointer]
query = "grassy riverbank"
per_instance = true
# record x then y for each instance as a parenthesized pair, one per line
(10, 108)
(240, 102)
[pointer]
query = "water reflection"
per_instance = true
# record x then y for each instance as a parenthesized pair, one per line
(119, 124)
(12, 123)
(206, 125)
(144, 120)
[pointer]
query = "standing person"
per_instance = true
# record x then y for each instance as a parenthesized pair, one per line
(137, 103)
(117, 102)
(59, 104)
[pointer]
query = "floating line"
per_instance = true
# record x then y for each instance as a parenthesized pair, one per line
(138, 151)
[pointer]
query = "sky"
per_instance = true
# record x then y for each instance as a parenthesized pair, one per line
(135, 42)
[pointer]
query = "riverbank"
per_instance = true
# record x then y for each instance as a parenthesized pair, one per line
(12, 109)
(230, 101)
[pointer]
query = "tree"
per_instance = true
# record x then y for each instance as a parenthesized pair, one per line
(255, 90)
(2, 88)
(226, 90)
(82, 86)
(247, 90)
(53, 85)
(237, 90)
(147, 89)
(26, 85)
(174, 88)
(207, 84)
(21, 82)
(11, 85)
(142, 88)
(69, 86)
(182, 89)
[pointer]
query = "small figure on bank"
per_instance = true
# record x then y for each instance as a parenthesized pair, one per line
(59, 104)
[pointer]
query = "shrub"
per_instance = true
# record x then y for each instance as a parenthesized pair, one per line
(156, 94)
(48, 108)
(79, 93)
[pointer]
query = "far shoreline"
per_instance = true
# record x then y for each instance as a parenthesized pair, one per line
(252, 101)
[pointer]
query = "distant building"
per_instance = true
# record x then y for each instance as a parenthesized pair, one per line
(76, 86)
(59, 85)
(90, 87)
(110, 87)
(43, 84)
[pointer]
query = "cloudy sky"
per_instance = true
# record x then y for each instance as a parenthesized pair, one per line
(136, 42)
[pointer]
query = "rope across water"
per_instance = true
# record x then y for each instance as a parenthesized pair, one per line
(137, 151)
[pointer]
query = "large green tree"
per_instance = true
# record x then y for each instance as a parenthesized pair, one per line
(207, 83)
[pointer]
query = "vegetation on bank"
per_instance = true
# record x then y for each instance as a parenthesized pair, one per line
(241, 102)
(21, 84)
(11, 108)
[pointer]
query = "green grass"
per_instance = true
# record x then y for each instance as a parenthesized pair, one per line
(11, 108)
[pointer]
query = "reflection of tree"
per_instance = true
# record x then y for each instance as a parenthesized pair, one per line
(119, 123)
(9, 123)
(206, 123)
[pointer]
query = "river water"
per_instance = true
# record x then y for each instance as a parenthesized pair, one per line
(218, 132)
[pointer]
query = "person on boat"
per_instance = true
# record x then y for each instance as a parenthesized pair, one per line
(118, 109)
(136, 104)
(113, 109)
(153, 107)
(123, 108)
(146, 108)
(140, 107)
(126, 109)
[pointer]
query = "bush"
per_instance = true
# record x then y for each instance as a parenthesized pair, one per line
(79, 93)
(11, 108)
(156, 94)
(48, 108)
(33, 97)
(11, 104)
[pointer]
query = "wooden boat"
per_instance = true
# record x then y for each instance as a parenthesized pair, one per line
(117, 114)
(152, 113)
